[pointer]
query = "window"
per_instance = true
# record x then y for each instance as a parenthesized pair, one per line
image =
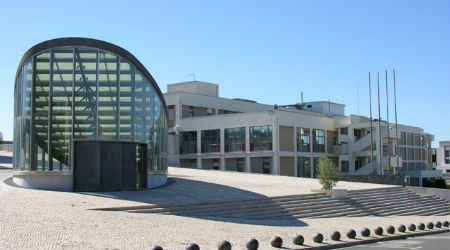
(188, 142)
(416, 140)
(315, 167)
(303, 140)
(447, 161)
(266, 165)
(210, 141)
(303, 167)
(447, 152)
(357, 134)
(235, 139)
(190, 111)
(417, 154)
(403, 153)
(410, 154)
(261, 138)
(385, 149)
(240, 165)
(171, 113)
(344, 166)
(319, 140)
(344, 131)
(402, 138)
(409, 139)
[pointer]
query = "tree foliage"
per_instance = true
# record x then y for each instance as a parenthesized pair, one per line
(1, 138)
(328, 173)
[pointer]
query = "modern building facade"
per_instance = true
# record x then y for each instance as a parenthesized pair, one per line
(88, 117)
(443, 157)
(210, 132)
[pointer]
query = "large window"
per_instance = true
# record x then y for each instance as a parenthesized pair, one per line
(304, 167)
(344, 166)
(235, 139)
(188, 142)
(416, 140)
(261, 138)
(409, 139)
(319, 140)
(315, 166)
(210, 141)
(303, 140)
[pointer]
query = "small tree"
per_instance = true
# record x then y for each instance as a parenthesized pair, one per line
(1, 138)
(328, 173)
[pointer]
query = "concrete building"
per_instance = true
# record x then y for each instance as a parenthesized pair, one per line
(443, 157)
(210, 132)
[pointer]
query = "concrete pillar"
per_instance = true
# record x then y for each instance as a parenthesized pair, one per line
(178, 112)
(222, 148)
(247, 150)
(199, 148)
(275, 145)
(295, 152)
(311, 161)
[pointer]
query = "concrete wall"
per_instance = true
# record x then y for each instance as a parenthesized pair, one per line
(231, 164)
(197, 87)
(378, 179)
(156, 180)
(256, 165)
(209, 163)
(55, 181)
(186, 163)
(287, 166)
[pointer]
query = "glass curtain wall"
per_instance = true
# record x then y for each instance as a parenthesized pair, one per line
(304, 167)
(235, 139)
(261, 138)
(83, 93)
(210, 141)
(188, 142)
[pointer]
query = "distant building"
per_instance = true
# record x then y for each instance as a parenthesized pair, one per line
(443, 157)
(210, 132)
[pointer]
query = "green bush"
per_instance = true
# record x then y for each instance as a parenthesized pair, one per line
(328, 173)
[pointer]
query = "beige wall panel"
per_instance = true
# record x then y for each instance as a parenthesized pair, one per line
(286, 138)
(287, 166)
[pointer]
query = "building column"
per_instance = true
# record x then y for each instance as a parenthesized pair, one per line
(247, 150)
(311, 147)
(199, 148)
(295, 152)
(275, 145)
(222, 148)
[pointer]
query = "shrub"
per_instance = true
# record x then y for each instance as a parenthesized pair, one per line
(328, 173)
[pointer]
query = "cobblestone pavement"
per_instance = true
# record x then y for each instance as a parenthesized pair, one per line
(46, 219)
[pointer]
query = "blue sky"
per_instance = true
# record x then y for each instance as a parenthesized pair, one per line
(267, 51)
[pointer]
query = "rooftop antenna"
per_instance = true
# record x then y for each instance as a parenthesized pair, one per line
(387, 120)
(380, 146)
(371, 127)
(193, 75)
(396, 124)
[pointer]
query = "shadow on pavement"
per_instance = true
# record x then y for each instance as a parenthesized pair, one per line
(5, 161)
(196, 199)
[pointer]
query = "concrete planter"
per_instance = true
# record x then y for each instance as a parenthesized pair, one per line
(337, 193)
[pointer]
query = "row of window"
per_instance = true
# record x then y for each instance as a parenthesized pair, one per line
(412, 154)
(304, 168)
(260, 140)
(412, 139)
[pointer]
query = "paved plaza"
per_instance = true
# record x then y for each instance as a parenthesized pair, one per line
(47, 219)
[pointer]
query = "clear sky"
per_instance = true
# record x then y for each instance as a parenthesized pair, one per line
(267, 51)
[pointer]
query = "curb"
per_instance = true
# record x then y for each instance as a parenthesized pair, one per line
(374, 240)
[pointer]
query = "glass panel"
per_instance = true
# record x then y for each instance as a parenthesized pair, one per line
(303, 140)
(126, 106)
(319, 140)
(61, 107)
(108, 96)
(303, 167)
(235, 139)
(85, 112)
(139, 108)
(188, 142)
(261, 138)
(27, 81)
(210, 141)
(41, 105)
